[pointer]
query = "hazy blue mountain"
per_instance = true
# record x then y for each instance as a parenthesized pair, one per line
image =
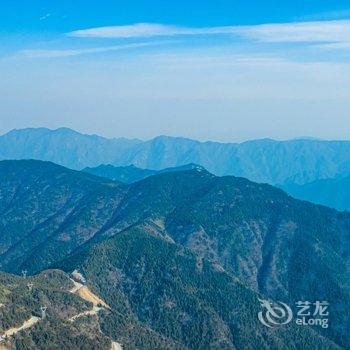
(126, 174)
(276, 162)
(140, 243)
(334, 193)
(131, 173)
(62, 146)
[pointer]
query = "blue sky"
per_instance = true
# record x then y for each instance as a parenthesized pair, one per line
(221, 70)
(65, 15)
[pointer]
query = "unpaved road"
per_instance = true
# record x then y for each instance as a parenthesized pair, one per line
(85, 293)
(91, 312)
(26, 324)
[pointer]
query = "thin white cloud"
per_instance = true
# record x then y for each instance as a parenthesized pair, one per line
(322, 31)
(44, 17)
(298, 32)
(38, 53)
(145, 30)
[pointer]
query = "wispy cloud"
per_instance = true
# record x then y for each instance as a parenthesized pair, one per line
(145, 30)
(39, 53)
(313, 32)
(44, 17)
(298, 32)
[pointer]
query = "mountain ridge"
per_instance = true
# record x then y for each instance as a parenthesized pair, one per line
(269, 161)
(131, 173)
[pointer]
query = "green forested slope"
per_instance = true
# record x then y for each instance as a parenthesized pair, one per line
(49, 289)
(282, 248)
(180, 296)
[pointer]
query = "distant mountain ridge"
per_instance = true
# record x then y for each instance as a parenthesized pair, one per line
(131, 173)
(334, 193)
(275, 162)
(62, 146)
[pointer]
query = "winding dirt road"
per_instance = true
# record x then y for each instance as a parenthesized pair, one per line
(26, 324)
(83, 292)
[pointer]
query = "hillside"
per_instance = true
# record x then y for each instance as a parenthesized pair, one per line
(24, 326)
(275, 162)
(148, 280)
(272, 244)
(46, 211)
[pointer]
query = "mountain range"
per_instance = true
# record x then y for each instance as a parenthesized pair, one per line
(182, 257)
(297, 161)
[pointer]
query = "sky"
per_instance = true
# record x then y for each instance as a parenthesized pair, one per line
(221, 70)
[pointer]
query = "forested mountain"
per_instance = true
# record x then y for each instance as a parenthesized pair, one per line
(275, 162)
(219, 229)
(188, 300)
(334, 193)
(174, 253)
(47, 211)
(130, 174)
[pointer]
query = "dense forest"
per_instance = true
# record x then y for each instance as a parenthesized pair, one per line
(181, 258)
